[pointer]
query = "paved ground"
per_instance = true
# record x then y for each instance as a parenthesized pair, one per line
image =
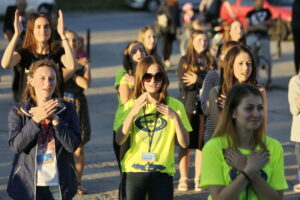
(110, 33)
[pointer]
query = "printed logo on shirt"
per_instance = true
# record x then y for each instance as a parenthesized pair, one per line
(147, 123)
(148, 167)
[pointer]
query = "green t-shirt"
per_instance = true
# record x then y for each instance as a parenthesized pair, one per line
(215, 170)
(119, 80)
(120, 73)
(162, 139)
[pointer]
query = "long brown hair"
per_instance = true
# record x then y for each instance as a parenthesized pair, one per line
(128, 64)
(228, 65)
(191, 55)
(141, 69)
(141, 38)
(29, 91)
(227, 125)
(227, 29)
(30, 42)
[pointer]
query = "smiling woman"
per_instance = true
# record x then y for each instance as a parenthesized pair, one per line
(240, 161)
(153, 120)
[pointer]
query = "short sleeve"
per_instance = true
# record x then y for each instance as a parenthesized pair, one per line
(183, 116)
(212, 172)
(56, 56)
(118, 77)
(277, 179)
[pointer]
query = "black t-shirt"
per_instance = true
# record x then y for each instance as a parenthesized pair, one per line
(212, 9)
(71, 86)
(257, 16)
(27, 58)
(296, 14)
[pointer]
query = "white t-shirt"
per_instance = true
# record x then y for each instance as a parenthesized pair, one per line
(47, 172)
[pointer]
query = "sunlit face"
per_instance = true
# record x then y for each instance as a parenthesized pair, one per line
(42, 30)
(44, 82)
(200, 43)
(150, 40)
(236, 31)
(258, 3)
(137, 52)
(72, 40)
(153, 86)
(249, 113)
(242, 67)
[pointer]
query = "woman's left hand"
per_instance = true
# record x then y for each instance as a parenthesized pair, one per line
(189, 78)
(166, 110)
(54, 119)
(60, 24)
(235, 159)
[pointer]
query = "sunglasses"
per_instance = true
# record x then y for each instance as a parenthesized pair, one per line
(157, 77)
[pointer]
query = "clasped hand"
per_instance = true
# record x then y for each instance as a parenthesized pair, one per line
(189, 78)
(45, 110)
(162, 108)
(254, 162)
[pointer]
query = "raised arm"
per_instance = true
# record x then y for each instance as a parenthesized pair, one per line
(68, 59)
(10, 57)
(124, 130)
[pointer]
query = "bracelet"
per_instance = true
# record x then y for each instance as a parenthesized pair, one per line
(246, 176)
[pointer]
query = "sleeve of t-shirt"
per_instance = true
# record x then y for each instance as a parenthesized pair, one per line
(124, 81)
(124, 111)
(212, 162)
(269, 14)
(120, 73)
(183, 116)
(277, 179)
(213, 109)
(293, 93)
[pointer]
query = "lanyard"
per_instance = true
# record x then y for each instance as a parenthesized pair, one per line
(150, 136)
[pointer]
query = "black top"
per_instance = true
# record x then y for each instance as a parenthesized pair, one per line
(189, 95)
(9, 20)
(71, 87)
(212, 9)
(296, 14)
(257, 16)
(27, 58)
(173, 14)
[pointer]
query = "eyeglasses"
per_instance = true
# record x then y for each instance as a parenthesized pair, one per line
(157, 77)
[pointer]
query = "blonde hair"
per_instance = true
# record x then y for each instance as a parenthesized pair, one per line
(29, 91)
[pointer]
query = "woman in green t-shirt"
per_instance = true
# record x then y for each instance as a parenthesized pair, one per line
(240, 161)
(153, 120)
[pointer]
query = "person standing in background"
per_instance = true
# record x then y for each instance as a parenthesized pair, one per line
(74, 93)
(296, 33)
(171, 12)
(294, 101)
(8, 32)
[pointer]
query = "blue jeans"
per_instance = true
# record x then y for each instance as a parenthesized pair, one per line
(48, 193)
(297, 153)
(158, 186)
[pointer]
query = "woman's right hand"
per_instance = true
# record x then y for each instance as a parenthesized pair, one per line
(18, 26)
(257, 160)
(139, 104)
(44, 110)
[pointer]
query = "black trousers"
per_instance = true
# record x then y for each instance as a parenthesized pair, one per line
(296, 35)
(120, 151)
(158, 186)
(167, 40)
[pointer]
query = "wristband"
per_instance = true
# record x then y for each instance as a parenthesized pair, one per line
(246, 176)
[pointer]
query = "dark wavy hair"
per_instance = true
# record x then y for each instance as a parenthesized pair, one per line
(229, 79)
(128, 64)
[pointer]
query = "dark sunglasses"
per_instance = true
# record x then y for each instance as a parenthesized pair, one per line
(157, 77)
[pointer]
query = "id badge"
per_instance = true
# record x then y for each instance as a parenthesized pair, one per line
(149, 157)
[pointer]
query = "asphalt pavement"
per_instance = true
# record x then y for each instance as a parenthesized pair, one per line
(110, 32)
